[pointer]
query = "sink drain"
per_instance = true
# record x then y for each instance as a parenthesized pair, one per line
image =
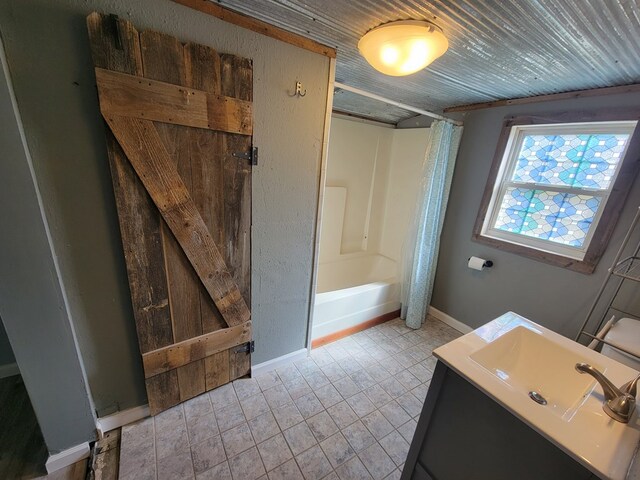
(536, 397)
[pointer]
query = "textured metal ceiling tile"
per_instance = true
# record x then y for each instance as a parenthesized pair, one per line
(498, 49)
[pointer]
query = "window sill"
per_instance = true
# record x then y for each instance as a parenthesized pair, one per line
(585, 266)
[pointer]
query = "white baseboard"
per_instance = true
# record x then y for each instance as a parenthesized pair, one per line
(9, 370)
(67, 457)
(452, 322)
(120, 419)
(279, 362)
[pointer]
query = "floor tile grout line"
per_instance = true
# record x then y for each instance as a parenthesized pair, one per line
(345, 351)
(256, 447)
(281, 432)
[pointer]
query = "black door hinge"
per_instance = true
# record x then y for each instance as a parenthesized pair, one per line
(252, 156)
(248, 347)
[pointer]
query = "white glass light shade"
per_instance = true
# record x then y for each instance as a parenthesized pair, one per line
(403, 47)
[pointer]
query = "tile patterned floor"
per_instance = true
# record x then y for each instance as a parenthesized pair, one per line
(347, 412)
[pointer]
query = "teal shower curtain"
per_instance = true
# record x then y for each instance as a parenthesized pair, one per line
(423, 239)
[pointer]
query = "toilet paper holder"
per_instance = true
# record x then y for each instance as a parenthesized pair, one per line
(486, 264)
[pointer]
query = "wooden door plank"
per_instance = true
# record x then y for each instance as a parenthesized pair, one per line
(217, 369)
(208, 159)
(191, 380)
(163, 60)
(239, 364)
(141, 142)
(140, 230)
(207, 188)
(227, 114)
(194, 349)
(115, 45)
(141, 97)
(237, 81)
(184, 285)
(202, 65)
(203, 72)
(237, 228)
(163, 391)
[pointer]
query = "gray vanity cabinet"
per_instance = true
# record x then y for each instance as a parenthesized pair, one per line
(463, 434)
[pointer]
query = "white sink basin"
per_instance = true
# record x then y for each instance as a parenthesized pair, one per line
(527, 361)
(512, 356)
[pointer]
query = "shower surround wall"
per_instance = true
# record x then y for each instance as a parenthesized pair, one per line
(370, 193)
(357, 169)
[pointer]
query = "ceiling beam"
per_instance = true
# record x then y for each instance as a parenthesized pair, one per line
(264, 28)
(404, 106)
(593, 92)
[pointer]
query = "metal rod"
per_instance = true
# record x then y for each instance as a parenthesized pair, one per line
(404, 106)
(611, 344)
(622, 277)
(602, 333)
(630, 267)
(608, 276)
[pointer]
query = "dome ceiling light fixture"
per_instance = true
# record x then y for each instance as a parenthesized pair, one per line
(403, 47)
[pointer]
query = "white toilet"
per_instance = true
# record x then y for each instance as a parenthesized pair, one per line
(626, 333)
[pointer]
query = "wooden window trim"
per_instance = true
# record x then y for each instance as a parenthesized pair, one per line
(613, 208)
(552, 97)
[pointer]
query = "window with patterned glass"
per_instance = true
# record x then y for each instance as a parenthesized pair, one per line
(553, 184)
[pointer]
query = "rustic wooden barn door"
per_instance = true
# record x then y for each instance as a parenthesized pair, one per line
(179, 122)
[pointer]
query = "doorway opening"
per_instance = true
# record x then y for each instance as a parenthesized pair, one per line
(372, 180)
(23, 452)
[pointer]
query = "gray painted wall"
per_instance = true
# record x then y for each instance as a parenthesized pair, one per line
(32, 303)
(6, 354)
(49, 58)
(554, 297)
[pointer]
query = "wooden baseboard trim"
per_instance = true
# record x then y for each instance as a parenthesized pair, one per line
(332, 337)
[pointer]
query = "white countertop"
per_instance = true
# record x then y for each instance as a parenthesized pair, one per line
(603, 445)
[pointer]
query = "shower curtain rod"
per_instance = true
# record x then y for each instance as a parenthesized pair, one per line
(404, 106)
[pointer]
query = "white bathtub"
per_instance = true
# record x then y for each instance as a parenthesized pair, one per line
(353, 290)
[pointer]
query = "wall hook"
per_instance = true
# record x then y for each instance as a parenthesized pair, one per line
(299, 92)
